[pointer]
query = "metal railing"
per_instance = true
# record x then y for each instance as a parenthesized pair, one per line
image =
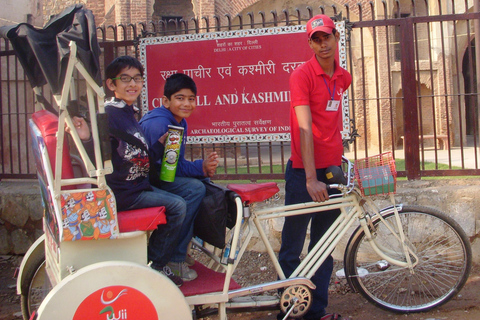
(413, 90)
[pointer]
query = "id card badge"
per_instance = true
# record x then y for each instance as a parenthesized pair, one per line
(333, 105)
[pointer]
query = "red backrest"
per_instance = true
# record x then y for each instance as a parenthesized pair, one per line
(47, 123)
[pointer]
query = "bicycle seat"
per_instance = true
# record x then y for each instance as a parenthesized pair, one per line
(254, 192)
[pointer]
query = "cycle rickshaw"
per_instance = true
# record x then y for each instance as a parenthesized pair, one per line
(91, 263)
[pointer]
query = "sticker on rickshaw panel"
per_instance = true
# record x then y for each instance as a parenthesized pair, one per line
(89, 215)
(116, 302)
(41, 159)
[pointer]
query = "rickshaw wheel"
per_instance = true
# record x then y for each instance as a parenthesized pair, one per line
(37, 284)
(297, 297)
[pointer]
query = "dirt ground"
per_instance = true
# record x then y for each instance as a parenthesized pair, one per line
(256, 268)
(9, 300)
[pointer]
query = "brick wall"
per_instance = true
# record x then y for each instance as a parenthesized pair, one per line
(175, 8)
(232, 7)
(53, 7)
(134, 11)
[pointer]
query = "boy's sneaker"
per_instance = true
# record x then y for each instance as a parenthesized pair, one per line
(166, 271)
(182, 270)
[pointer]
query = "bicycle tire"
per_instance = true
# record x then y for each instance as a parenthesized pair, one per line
(36, 285)
(444, 254)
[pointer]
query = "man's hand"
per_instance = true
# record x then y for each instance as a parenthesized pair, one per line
(82, 128)
(210, 164)
(317, 190)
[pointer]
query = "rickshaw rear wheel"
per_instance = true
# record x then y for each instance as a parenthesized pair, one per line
(36, 284)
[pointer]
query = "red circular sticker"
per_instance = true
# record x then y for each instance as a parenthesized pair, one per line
(116, 302)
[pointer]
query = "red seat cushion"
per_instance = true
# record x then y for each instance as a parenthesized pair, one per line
(254, 192)
(141, 219)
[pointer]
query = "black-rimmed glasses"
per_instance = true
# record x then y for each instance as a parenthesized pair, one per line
(127, 78)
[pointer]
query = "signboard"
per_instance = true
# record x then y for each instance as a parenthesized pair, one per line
(242, 80)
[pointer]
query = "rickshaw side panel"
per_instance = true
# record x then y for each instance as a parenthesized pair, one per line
(115, 290)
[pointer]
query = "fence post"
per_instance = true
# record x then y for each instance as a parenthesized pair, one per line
(410, 109)
(109, 55)
(476, 8)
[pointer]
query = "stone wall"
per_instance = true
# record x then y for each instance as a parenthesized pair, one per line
(21, 211)
(458, 199)
(21, 215)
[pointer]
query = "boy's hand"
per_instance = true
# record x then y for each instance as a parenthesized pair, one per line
(82, 128)
(210, 164)
(163, 138)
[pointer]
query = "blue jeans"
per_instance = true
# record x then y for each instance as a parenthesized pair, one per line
(165, 238)
(294, 233)
(192, 190)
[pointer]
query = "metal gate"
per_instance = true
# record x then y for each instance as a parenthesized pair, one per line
(414, 89)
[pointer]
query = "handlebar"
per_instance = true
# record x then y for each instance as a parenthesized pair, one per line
(349, 172)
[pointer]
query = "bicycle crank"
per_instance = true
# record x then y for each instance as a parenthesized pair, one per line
(295, 301)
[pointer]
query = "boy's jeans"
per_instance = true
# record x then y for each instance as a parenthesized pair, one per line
(192, 191)
(164, 239)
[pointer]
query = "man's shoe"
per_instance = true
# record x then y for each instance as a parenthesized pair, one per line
(332, 316)
(166, 271)
(182, 270)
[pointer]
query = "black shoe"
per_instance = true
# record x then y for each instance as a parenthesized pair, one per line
(166, 271)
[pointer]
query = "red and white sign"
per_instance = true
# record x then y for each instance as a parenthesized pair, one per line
(242, 80)
(116, 302)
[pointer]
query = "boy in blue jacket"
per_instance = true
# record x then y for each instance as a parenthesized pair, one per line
(179, 101)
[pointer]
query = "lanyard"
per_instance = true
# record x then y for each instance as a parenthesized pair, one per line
(328, 88)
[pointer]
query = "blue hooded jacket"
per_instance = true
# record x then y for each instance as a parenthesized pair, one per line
(154, 124)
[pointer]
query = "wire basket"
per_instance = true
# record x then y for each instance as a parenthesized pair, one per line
(376, 174)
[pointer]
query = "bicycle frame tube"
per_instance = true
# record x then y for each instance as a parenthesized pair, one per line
(397, 232)
(351, 210)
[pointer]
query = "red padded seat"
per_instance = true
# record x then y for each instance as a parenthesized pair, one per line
(254, 192)
(145, 219)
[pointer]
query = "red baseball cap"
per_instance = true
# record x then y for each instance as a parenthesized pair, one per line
(320, 22)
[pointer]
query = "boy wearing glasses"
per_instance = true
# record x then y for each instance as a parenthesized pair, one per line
(130, 178)
(179, 101)
(316, 121)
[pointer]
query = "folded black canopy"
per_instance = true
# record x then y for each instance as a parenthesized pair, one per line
(44, 53)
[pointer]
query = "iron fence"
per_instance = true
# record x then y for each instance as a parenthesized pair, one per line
(414, 89)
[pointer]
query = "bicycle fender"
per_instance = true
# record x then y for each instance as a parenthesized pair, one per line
(389, 209)
(36, 248)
